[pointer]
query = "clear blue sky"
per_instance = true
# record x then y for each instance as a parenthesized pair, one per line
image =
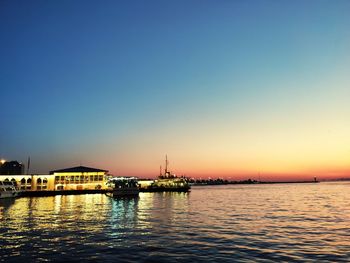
(224, 87)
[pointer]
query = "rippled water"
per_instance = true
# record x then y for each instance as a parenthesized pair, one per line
(277, 222)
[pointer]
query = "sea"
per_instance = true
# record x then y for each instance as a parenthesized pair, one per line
(306, 222)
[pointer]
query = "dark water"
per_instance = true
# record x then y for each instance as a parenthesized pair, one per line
(247, 223)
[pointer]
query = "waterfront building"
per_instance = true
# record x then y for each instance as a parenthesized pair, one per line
(80, 178)
(31, 182)
(75, 178)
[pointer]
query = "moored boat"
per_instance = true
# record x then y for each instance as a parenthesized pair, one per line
(124, 186)
(8, 190)
(168, 182)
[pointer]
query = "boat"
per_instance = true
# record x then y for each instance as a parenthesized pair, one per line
(124, 186)
(168, 182)
(8, 190)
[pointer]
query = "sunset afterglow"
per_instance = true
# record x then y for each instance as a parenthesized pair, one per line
(220, 87)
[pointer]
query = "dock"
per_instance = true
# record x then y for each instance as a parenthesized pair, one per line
(63, 192)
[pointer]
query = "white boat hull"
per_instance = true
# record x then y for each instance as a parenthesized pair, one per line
(8, 194)
(8, 190)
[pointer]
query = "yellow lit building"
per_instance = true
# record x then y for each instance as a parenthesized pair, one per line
(75, 178)
(79, 178)
(31, 182)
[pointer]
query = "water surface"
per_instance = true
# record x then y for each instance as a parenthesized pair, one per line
(247, 223)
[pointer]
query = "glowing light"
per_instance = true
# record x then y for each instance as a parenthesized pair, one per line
(2, 161)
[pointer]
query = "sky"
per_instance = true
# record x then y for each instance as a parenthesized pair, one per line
(232, 89)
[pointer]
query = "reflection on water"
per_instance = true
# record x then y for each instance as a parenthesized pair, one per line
(282, 222)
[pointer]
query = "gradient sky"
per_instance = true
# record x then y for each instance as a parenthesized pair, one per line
(225, 88)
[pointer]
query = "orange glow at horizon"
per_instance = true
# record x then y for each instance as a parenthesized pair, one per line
(284, 152)
(296, 136)
(268, 168)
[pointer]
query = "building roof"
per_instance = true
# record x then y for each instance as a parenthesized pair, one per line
(78, 169)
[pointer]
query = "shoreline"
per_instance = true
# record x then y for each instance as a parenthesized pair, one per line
(104, 191)
(255, 183)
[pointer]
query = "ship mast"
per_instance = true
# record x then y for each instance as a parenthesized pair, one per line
(166, 164)
(28, 164)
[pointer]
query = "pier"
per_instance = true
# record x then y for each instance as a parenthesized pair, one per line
(63, 192)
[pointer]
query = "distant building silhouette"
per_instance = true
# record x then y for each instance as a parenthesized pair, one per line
(11, 168)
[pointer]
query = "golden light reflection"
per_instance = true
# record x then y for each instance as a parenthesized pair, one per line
(145, 203)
